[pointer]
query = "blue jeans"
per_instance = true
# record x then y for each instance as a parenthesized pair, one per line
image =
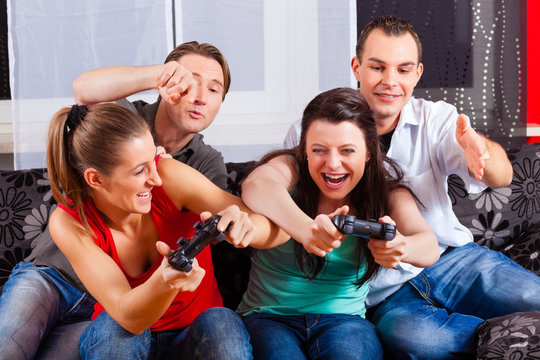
(216, 333)
(435, 314)
(41, 314)
(313, 336)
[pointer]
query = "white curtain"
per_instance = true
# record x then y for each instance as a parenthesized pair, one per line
(281, 53)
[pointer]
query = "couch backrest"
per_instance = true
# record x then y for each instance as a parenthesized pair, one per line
(506, 219)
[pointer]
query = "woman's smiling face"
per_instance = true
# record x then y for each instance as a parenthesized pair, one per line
(129, 186)
(336, 155)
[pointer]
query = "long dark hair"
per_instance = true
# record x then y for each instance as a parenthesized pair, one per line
(369, 198)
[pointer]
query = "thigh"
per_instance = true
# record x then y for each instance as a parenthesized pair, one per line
(275, 337)
(104, 338)
(62, 342)
(29, 308)
(343, 337)
(216, 333)
(478, 281)
(412, 328)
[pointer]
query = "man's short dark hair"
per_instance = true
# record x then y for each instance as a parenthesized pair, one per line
(391, 26)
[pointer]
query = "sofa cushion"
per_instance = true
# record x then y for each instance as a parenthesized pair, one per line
(525, 247)
(25, 205)
(514, 336)
(500, 217)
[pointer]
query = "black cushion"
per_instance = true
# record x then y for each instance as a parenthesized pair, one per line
(514, 336)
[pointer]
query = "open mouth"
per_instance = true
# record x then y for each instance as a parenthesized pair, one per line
(144, 195)
(334, 179)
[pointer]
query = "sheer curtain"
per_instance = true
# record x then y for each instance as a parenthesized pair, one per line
(53, 41)
(281, 54)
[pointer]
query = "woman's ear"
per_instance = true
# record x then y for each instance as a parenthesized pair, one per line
(93, 178)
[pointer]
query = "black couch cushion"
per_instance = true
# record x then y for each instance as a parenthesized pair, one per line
(514, 336)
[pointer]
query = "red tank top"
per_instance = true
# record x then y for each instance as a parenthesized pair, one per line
(170, 224)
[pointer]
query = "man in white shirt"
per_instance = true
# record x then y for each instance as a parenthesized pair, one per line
(433, 313)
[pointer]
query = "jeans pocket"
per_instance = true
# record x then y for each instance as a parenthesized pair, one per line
(80, 311)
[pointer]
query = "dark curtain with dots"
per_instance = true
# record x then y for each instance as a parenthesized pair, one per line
(4, 59)
(472, 58)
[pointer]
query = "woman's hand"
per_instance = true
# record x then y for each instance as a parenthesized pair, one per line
(322, 236)
(241, 231)
(179, 280)
(388, 253)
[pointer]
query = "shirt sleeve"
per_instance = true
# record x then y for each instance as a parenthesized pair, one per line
(213, 167)
(209, 162)
(292, 138)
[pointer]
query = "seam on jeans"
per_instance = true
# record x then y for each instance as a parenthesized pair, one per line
(318, 317)
(428, 288)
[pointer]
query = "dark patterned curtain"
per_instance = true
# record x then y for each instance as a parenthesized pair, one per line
(472, 58)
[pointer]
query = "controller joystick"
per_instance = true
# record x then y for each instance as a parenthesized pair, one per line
(350, 225)
(182, 258)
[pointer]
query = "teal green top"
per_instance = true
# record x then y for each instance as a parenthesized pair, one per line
(278, 286)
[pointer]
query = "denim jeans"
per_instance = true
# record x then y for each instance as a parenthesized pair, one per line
(435, 314)
(312, 336)
(216, 333)
(41, 314)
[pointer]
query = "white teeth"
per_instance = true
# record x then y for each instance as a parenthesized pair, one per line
(388, 96)
(335, 179)
(333, 176)
(144, 195)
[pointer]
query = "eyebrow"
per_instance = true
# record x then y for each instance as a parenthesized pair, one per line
(340, 146)
(212, 80)
(143, 163)
(407, 63)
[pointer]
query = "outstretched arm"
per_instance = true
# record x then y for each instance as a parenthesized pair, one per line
(189, 189)
(171, 80)
(486, 159)
(266, 191)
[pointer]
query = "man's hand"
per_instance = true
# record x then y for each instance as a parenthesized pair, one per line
(174, 81)
(475, 147)
(163, 153)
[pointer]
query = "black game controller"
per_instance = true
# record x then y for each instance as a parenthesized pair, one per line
(350, 225)
(205, 233)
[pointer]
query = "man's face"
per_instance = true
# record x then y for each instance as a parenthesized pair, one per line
(387, 73)
(190, 118)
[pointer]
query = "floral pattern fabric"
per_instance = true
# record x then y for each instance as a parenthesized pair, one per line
(515, 336)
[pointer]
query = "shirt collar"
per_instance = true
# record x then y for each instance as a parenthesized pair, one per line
(407, 116)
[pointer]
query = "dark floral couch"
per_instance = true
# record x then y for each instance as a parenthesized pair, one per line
(505, 219)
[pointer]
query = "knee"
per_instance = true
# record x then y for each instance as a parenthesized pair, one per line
(220, 332)
(427, 337)
(219, 320)
(105, 338)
